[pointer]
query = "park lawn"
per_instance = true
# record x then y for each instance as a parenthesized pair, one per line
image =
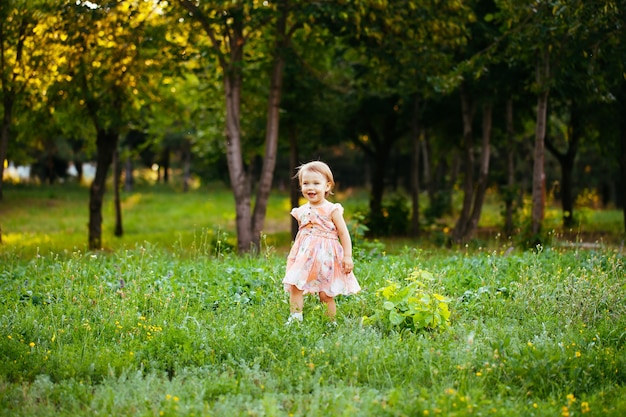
(56, 217)
(169, 321)
(154, 332)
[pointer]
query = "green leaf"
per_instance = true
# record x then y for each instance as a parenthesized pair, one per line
(389, 291)
(395, 318)
(403, 294)
(388, 305)
(444, 311)
(421, 320)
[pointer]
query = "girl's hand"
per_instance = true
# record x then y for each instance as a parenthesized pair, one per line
(347, 264)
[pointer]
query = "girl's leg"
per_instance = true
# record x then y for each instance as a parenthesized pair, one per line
(331, 307)
(296, 303)
(296, 300)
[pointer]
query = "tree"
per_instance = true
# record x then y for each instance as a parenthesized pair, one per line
(539, 35)
(473, 191)
(610, 51)
(577, 91)
(229, 27)
(104, 45)
(23, 29)
(572, 137)
(509, 189)
(403, 51)
(478, 88)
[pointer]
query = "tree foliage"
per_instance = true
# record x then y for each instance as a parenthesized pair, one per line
(25, 67)
(238, 83)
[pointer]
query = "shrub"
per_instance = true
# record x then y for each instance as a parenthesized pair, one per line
(393, 220)
(411, 307)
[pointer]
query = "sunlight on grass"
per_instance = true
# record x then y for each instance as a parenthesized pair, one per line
(286, 205)
(26, 239)
(131, 201)
(165, 215)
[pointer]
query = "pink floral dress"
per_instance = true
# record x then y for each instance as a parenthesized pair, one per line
(314, 262)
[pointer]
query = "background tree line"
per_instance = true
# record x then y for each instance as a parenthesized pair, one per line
(427, 95)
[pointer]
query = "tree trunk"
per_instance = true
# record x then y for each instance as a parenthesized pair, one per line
(294, 188)
(622, 149)
(467, 110)
(186, 165)
(483, 176)
(4, 138)
(8, 92)
(248, 227)
(427, 176)
(539, 178)
(78, 164)
(49, 171)
(415, 176)
(379, 154)
(106, 143)
(567, 193)
(510, 170)
(231, 65)
(271, 130)
(117, 183)
(165, 163)
(380, 128)
(566, 160)
(238, 177)
(379, 159)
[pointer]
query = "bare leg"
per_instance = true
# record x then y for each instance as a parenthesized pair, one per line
(296, 300)
(331, 307)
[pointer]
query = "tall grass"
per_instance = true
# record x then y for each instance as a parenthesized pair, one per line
(148, 331)
(169, 322)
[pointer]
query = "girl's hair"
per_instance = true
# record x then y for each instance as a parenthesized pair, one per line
(319, 167)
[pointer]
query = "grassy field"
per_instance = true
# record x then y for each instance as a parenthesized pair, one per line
(169, 322)
(55, 219)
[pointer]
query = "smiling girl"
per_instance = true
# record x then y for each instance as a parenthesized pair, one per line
(320, 260)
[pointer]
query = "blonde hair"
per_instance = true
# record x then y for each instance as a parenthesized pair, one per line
(318, 167)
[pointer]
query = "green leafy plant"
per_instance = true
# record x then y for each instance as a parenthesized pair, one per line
(411, 307)
(363, 248)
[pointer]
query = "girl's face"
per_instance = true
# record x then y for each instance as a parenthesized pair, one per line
(314, 187)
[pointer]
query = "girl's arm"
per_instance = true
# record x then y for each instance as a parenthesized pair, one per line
(344, 238)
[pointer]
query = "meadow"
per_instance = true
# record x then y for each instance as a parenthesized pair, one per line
(168, 321)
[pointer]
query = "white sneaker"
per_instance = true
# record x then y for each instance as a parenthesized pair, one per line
(294, 318)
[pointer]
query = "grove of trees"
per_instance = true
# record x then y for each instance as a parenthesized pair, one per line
(427, 95)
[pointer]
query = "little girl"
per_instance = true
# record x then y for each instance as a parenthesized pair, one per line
(320, 260)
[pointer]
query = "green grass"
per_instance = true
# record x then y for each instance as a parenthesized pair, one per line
(169, 322)
(153, 332)
(55, 218)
